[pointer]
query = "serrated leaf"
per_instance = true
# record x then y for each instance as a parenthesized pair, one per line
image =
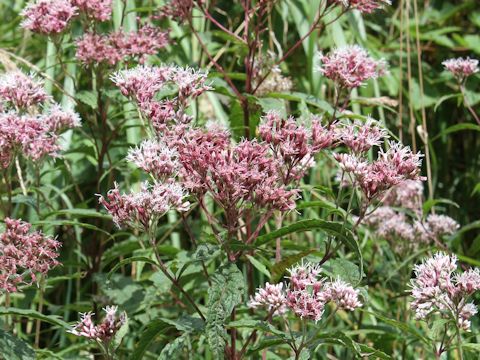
(343, 269)
(227, 290)
(174, 349)
(13, 348)
(88, 98)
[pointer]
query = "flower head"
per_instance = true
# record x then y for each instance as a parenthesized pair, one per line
(155, 158)
(104, 331)
(21, 91)
(364, 6)
(100, 10)
(143, 209)
(271, 296)
(360, 137)
(350, 66)
(48, 16)
(24, 254)
(461, 68)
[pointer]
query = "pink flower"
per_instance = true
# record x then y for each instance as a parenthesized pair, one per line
(143, 209)
(272, 297)
(119, 46)
(24, 254)
(461, 68)
(440, 225)
(21, 91)
(155, 158)
(364, 6)
(360, 137)
(100, 10)
(58, 119)
(342, 294)
(351, 66)
(437, 289)
(48, 16)
(408, 194)
(180, 10)
(103, 332)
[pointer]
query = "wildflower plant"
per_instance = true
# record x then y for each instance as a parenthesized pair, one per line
(237, 177)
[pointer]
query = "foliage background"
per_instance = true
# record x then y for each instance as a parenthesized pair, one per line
(424, 109)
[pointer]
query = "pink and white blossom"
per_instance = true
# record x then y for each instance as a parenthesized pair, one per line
(104, 331)
(461, 68)
(48, 16)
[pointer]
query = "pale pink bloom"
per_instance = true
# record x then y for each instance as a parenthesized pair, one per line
(271, 296)
(142, 82)
(360, 136)
(144, 208)
(24, 254)
(461, 68)
(180, 10)
(364, 6)
(28, 134)
(48, 16)
(308, 293)
(351, 66)
(437, 289)
(440, 225)
(408, 194)
(468, 281)
(100, 10)
(21, 91)
(58, 119)
(104, 331)
(342, 294)
(351, 163)
(93, 48)
(466, 312)
(156, 158)
(294, 142)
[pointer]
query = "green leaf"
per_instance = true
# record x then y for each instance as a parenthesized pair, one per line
(117, 340)
(187, 323)
(129, 261)
(227, 290)
(309, 99)
(154, 329)
(13, 348)
(456, 128)
(88, 98)
(174, 349)
(259, 266)
(32, 314)
(279, 268)
(333, 228)
(343, 269)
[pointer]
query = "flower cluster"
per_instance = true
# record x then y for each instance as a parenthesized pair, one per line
(360, 136)
(24, 254)
(143, 83)
(100, 10)
(364, 6)
(391, 168)
(93, 48)
(307, 294)
(155, 158)
(19, 91)
(48, 16)
(437, 289)
(144, 208)
(243, 174)
(103, 332)
(32, 133)
(461, 68)
(293, 144)
(400, 221)
(351, 66)
(180, 10)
